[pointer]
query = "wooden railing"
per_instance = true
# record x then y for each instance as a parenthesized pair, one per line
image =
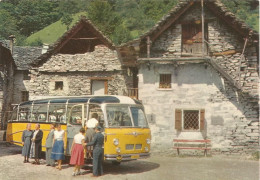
(132, 92)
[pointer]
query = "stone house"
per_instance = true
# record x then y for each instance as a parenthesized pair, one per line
(7, 69)
(199, 83)
(82, 62)
(23, 57)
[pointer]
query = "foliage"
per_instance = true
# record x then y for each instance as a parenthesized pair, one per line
(245, 10)
(120, 20)
(52, 32)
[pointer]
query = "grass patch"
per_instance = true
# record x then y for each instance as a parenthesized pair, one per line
(53, 32)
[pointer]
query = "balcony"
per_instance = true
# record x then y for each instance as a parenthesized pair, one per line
(132, 93)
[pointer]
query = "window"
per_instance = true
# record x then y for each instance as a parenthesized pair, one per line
(118, 116)
(39, 113)
(99, 87)
(25, 96)
(165, 81)
(189, 120)
(76, 114)
(93, 108)
(57, 113)
(138, 117)
(24, 112)
(59, 85)
(26, 76)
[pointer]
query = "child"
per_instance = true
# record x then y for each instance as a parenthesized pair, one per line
(77, 151)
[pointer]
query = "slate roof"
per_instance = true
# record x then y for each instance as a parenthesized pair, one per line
(25, 56)
(214, 5)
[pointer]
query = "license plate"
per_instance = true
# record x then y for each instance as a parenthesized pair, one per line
(134, 156)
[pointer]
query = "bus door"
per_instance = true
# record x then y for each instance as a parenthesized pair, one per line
(76, 117)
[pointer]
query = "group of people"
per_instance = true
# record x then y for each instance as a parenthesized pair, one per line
(32, 145)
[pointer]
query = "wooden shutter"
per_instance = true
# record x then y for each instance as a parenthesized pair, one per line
(178, 119)
(202, 119)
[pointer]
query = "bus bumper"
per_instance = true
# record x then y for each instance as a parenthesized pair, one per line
(125, 157)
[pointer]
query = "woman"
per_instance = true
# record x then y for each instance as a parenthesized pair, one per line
(58, 146)
(77, 151)
(26, 142)
(36, 146)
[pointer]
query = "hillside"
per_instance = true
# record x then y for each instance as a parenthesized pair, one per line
(51, 33)
(34, 22)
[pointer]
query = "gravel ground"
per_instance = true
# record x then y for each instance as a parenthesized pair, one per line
(156, 167)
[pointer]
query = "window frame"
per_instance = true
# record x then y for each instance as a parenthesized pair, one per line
(179, 119)
(170, 83)
(24, 97)
(57, 86)
(188, 130)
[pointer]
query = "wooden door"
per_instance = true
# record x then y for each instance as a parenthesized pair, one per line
(192, 39)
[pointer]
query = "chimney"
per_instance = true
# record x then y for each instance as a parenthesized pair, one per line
(11, 38)
(45, 48)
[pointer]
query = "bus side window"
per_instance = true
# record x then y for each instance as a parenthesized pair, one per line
(93, 108)
(75, 114)
(57, 113)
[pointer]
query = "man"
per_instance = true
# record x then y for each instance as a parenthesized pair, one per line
(37, 144)
(98, 143)
(90, 125)
(48, 145)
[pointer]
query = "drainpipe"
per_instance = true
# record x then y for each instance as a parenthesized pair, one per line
(148, 46)
(202, 23)
(11, 37)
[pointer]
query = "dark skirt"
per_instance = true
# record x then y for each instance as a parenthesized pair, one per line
(77, 155)
(89, 137)
(58, 150)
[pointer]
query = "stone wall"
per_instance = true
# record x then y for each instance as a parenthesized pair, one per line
(74, 84)
(231, 121)
(77, 71)
(221, 38)
(102, 59)
(19, 85)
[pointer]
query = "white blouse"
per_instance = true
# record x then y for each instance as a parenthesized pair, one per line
(78, 138)
(58, 135)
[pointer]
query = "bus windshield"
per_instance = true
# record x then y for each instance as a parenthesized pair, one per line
(118, 116)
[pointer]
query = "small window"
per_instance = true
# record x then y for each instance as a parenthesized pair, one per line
(26, 76)
(165, 81)
(59, 85)
(25, 96)
(191, 120)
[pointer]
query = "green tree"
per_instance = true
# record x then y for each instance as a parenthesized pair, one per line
(103, 16)
(7, 24)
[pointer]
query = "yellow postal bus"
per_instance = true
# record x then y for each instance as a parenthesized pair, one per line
(127, 135)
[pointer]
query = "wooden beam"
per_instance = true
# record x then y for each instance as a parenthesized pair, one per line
(228, 52)
(84, 38)
(100, 78)
(171, 21)
(67, 39)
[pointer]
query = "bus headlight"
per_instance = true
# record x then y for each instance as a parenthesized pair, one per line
(146, 149)
(148, 141)
(118, 150)
(115, 141)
